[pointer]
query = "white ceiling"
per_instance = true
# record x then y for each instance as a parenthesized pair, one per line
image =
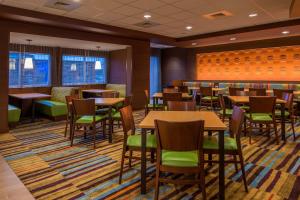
(172, 15)
(20, 38)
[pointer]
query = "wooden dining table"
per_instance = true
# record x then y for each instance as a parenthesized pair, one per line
(211, 123)
(94, 92)
(245, 100)
(33, 97)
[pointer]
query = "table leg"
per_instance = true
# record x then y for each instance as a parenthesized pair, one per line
(283, 121)
(143, 162)
(221, 166)
(154, 103)
(33, 111)
(110, 124)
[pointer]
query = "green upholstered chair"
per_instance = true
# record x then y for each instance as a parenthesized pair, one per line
(116, 115)
(262, 112)
(179, 151)
(85, 116)
(149, 106)
(232, 144)
(56, 106)
(14, 114)
(132, 142)
(207, 98)
(289, 111)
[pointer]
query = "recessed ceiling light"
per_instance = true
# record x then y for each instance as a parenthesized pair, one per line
(194, 43)
(147, 16)
(188, 28)
(233, 38)
(285, 32)
(252, 15)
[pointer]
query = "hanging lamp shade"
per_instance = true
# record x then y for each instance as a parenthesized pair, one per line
(12, 64)
(73, 67)
(28, 64)
(98, 65)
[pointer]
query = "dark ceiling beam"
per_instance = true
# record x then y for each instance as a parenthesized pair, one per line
(295, 9)
(24, 15)
(242, 30)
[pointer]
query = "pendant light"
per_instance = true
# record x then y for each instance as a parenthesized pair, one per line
(98, 65)
(28, 63)
(12, 64)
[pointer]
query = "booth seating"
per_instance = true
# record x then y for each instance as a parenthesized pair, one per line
(14, 114)
(56, 106)
(121, 88)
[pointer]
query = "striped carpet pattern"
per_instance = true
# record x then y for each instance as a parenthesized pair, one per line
(42, 158)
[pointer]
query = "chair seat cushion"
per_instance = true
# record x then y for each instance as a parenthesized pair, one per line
(210, 98)
(260, 116)
(245, 107)
(51, 108)
(227, 111)
(87, 119)
(157, 105)
(14, 114)
(116, 115)
(211, 142)
(136, 141)
(180, 158)
(278, 113)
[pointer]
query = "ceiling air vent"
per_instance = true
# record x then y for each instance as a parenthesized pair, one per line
(217, 15)
(146, 24)
(66, 5)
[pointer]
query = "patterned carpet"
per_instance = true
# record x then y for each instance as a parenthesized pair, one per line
(51, 169)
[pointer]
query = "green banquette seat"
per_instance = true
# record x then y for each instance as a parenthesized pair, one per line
(56, 106)
(14, 114)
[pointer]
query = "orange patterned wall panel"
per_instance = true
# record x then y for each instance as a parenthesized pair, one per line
(267, 64)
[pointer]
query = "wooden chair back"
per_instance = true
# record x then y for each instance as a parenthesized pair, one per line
(279, 92)
(172, 96)
(262, 104)
(128, 100)
(232, 91)
(183, 89)
(222, 102)
(179, 136)
(246, 93)
(259, 91)
(113, 94)
(69, 101)
(170, 90)
(181, 105)
(206, 91)
(289, 98)
(84, 107)
(236, 122)
(127, 120)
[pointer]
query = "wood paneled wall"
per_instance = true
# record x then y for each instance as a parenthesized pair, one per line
(117, 68)
(4, 49)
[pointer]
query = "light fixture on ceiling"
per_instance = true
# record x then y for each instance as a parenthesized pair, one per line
(285, 32)
(98, 65)
(147, 16)
(251, 15)
(194, 43)
(188, 28)
(28, 62)
(232, 39)
(12, 64)
(73, 67)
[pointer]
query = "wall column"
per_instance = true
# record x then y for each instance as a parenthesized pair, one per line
(4, 52)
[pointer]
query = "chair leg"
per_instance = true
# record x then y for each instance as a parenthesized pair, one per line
(66, 128)
(235, 163)
(250, 132)
(72, 134)
(209, 155)
(122, 163)
(130, 158)
(94, 133)
(276, 132)
(243, 170)
(293, 128)
(103, 129)
(202, 179)
(245, 127)
(84, 132)
(157, 183)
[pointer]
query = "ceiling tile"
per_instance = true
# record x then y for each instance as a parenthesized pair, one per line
(20, 4)
(50, 10)
(166, 10)
(104, 4)
(85, 12)
(189, 4)
(128, 10)
(147, 4)
(130, 20)
(109, 16)
(181, 15)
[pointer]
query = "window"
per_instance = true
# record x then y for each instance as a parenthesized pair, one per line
(37, 76)
(80, 70)
(155, 80)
